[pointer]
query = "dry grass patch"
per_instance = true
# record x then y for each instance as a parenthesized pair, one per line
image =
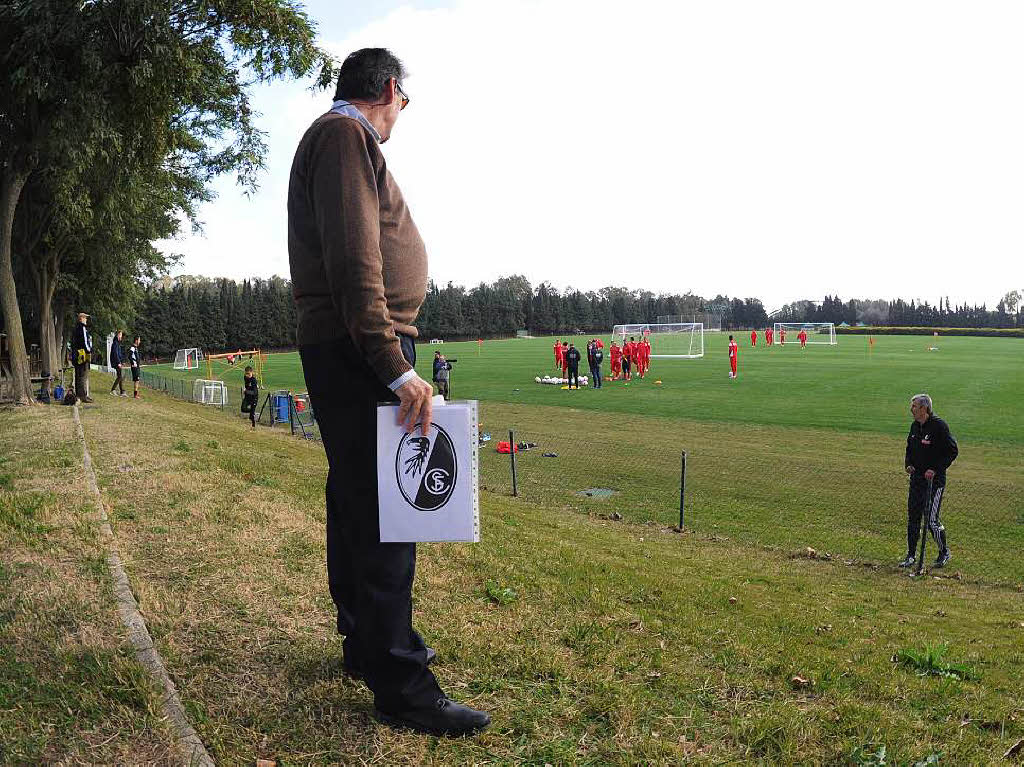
(620, 644)
(70, 690)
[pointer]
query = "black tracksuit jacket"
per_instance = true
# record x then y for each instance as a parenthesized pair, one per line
(930, 445)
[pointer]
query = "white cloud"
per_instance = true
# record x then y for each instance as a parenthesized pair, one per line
(781, 150)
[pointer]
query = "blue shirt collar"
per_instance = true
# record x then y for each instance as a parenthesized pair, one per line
(342, 107)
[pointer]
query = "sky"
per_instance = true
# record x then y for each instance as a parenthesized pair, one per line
(782, 150)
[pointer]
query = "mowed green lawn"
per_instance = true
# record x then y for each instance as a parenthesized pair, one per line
(804, 449)
(976, 382)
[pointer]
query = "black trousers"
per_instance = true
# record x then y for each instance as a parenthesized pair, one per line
(118, 380)
(917, 505)
(370, 581)
(574, 376)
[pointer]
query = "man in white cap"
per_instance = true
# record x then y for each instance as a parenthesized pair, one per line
(81, 357)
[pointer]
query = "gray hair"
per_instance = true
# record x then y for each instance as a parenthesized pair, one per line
(922, 399)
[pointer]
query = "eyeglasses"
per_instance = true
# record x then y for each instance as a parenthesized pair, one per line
(405, 99)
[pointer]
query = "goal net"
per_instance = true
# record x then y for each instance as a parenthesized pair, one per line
(674, 340)
(187, 359)
(817, 332)
(209, 392)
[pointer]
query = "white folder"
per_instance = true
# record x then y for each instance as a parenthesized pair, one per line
(428, 487)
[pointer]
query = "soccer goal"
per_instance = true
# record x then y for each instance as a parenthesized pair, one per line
(669, 341)
(187, 359)
(817, 332)
(209, 392)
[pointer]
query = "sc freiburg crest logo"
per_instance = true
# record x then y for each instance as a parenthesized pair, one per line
(425, 468)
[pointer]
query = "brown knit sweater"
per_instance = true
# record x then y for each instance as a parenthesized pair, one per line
(358, 262)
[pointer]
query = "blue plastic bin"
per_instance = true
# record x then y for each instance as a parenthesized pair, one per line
(281, 407)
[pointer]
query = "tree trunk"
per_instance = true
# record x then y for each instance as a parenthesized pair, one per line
(46, 272)
(11, 184)
(47, 332)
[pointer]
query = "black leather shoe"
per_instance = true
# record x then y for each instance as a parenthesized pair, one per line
(943, 558)
(354, 668)
(444, 717)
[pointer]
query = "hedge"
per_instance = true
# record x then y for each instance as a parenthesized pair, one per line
(920, 331)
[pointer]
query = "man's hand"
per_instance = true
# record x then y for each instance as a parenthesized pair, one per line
(415, 395)
(930, 474)
(910, 470)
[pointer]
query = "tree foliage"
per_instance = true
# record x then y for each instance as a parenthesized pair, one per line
(118, 114)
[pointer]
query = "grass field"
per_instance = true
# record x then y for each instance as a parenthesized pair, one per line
(592, 641)
(805, 449)
(976, 382)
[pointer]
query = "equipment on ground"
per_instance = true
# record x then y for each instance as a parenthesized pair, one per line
(207, 392)
(188, 359)
(669, 341)
(817, 332)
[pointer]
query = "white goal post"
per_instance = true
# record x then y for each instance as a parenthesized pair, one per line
(817, 332)
(187, 359)
(669, 341)
(207, 392)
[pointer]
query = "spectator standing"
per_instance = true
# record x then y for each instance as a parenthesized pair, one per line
(135, 364)
(931, 448)
(572, 361)
(436, 366)
(250, 394)
(359, 277)
(444, 377)
(595, 371)
(81, 356)
(116, 361)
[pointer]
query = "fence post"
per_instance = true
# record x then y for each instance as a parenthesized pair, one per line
(682, 491)
(512, 455)
(291, 407)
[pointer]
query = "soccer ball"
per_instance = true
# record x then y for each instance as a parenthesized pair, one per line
(537, 379)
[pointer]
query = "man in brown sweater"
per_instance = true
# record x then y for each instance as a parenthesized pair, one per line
(359, 276)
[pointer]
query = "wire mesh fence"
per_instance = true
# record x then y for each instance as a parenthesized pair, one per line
(280, 409)
(808, 492)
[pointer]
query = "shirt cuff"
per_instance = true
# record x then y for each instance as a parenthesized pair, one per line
(406, 376)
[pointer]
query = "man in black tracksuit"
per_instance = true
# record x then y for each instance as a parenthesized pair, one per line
(572, 359)
(595, 367)
(116, 360)
(931, 448)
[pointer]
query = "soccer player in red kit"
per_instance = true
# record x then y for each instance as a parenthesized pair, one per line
(782, 336)
(734, 350)
(616, 354)
(565, 362)
(802, 336)
(647, 355)
(558, 354)
(768, 336)
(627, 359)
(753, 338)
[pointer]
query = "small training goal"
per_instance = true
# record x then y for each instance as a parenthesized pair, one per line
(817, 332)
(669, 341)
(207, 392)
(187, 359)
